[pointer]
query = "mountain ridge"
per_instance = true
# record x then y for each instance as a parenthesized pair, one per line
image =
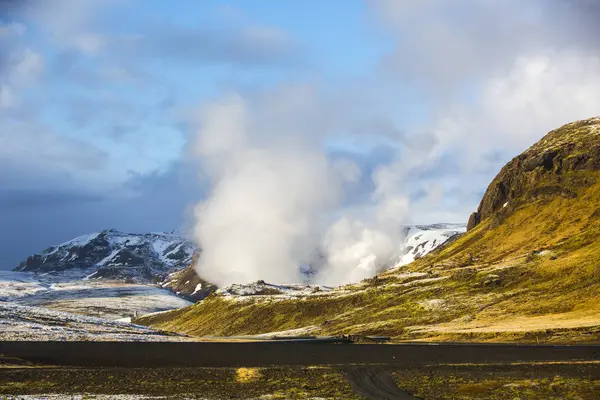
(112, 254)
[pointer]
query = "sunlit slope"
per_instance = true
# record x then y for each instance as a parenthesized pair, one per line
(529, 270)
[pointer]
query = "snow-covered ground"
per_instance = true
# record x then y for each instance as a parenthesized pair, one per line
(19, 322)
(267, 289)
(16, 285)
(100, 298)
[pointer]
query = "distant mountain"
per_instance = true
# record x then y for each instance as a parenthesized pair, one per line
(423, 239)
(112, 254)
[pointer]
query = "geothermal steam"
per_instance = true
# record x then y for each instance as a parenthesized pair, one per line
(272, 195)
(261, 219)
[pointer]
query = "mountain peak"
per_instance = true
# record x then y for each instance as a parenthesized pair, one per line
(115, 255)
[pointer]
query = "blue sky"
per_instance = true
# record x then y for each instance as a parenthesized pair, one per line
(99, 99)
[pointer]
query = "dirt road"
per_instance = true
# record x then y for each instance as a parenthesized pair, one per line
(376, 385)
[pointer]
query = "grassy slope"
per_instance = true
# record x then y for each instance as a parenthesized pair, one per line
(531, 273)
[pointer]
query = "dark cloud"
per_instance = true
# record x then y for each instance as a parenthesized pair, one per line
(9, 8)
(16, 200)
(33, 220)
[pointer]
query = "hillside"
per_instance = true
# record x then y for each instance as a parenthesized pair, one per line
(528, 269)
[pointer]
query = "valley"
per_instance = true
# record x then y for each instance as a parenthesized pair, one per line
(507, 308)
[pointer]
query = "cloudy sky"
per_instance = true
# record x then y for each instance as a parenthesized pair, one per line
(101, 102)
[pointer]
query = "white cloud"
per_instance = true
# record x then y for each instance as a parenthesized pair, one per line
(34, 145)
(12, 29)
(20, 66)
(347, 170)
(274, 193)
(512, 111)
(260, 219)
(27, 67)
(71, 22)
(498, 88)
(7, 98)
(449, 46)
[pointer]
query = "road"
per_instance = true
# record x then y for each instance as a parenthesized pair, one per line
(277, 353)
(376, 385)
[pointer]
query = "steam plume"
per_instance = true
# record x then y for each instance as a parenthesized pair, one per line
(273, 194)
(261, 219)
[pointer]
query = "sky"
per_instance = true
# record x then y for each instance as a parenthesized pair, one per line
(115, 113)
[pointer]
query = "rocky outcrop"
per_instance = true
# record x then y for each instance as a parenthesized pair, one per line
(474, 220)
(187, 284)
(551, 167)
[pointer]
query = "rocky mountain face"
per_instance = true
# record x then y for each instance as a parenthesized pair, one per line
(112, 254)
(544, 171)
(187, 284)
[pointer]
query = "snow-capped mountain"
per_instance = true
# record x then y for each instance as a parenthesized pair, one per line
(423, 239)
(114, 255)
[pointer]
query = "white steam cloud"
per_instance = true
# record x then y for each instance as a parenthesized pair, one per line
(273, 195)
(270, 188)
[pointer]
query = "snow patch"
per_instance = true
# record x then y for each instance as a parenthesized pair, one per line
(266, 289)
(80, 241)
(18, 322)
(198, 288)
(107, 299)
